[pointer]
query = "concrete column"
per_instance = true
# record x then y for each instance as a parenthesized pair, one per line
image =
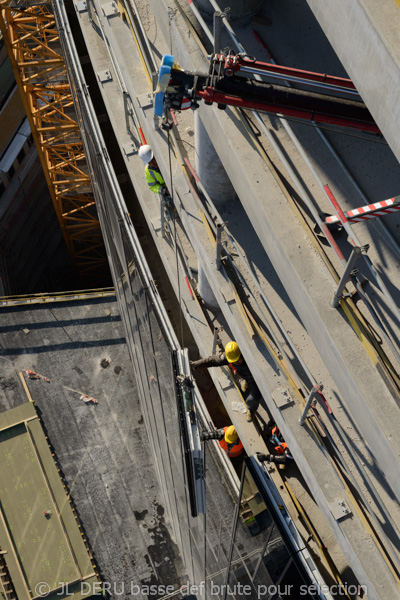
(209, 167)
(240, 10)
(205, 290)
(217, 184)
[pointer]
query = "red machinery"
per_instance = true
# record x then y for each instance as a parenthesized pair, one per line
(227, 83)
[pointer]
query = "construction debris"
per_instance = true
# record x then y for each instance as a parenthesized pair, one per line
(34, 375)
(88, 399)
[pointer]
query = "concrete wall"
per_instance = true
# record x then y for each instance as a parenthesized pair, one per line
(365, 36)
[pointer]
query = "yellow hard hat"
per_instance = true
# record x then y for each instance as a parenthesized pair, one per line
(231, 435)
(232, 352)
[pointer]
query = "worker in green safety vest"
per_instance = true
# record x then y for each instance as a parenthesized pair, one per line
(154, 179)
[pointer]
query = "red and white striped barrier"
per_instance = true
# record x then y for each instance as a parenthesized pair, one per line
(368, 212)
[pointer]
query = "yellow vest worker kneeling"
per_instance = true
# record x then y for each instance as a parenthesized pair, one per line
(228, 440)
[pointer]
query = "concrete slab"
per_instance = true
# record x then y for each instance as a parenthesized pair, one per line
(102, 449)
(45, 552)
(365, 37)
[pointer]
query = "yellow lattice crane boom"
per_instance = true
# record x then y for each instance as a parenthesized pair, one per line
(31, 37)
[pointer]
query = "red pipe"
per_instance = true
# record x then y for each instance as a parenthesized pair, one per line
(144, 142)
(172, 112)
(210, 95)
(335, 204)
(189, 287)
(259, 40)
(332, 242)
(193, 172)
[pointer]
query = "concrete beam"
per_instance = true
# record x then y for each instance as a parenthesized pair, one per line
(365, 36)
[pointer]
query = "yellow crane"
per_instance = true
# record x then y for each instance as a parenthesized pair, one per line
(30, 34)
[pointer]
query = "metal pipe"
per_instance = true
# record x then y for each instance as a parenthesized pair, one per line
(314, 391)
(217, 330)
(219, 245)
(232, 34)
(217, 23)
(162, 207)
(152, 69)
(308, 82)
(202, 22)
(346, 276)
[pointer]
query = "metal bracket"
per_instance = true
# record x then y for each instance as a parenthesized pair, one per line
(217, 26)
(348, 272)
(282, 398)
(110, 10)
(217, 330)
(145, 101)
(81, 6)
(129, 148)
(316, 389)
(104, 76)
(218, 241)
(339, 509)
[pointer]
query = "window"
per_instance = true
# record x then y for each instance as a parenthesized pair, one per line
(21, 155)
(11, 172)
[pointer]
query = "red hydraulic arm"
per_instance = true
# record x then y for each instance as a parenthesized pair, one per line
(228, 83)
(246, 64)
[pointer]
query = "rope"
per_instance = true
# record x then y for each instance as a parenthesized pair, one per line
(174, 217)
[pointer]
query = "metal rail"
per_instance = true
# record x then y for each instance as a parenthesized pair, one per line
(124, 246)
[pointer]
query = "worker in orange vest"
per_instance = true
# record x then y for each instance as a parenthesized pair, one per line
(228, 440)
(282, 455)
(276, 438)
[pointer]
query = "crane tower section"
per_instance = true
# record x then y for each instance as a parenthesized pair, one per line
(30, 34)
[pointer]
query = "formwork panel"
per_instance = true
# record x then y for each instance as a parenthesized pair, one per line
(38, 531)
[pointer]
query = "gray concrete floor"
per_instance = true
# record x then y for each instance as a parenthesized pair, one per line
(103, 449)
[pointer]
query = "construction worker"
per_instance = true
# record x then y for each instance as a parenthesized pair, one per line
(282, 456)
(228, 440)
(276, 438)
(154, 179)
(232, 357)
(279, 459)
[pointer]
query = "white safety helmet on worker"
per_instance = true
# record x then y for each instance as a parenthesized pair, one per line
(232, 352)
(231, 435)
(145, 153)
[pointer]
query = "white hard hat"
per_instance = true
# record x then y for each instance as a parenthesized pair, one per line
(145, 153)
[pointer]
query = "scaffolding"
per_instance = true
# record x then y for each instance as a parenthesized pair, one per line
(32, 40)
